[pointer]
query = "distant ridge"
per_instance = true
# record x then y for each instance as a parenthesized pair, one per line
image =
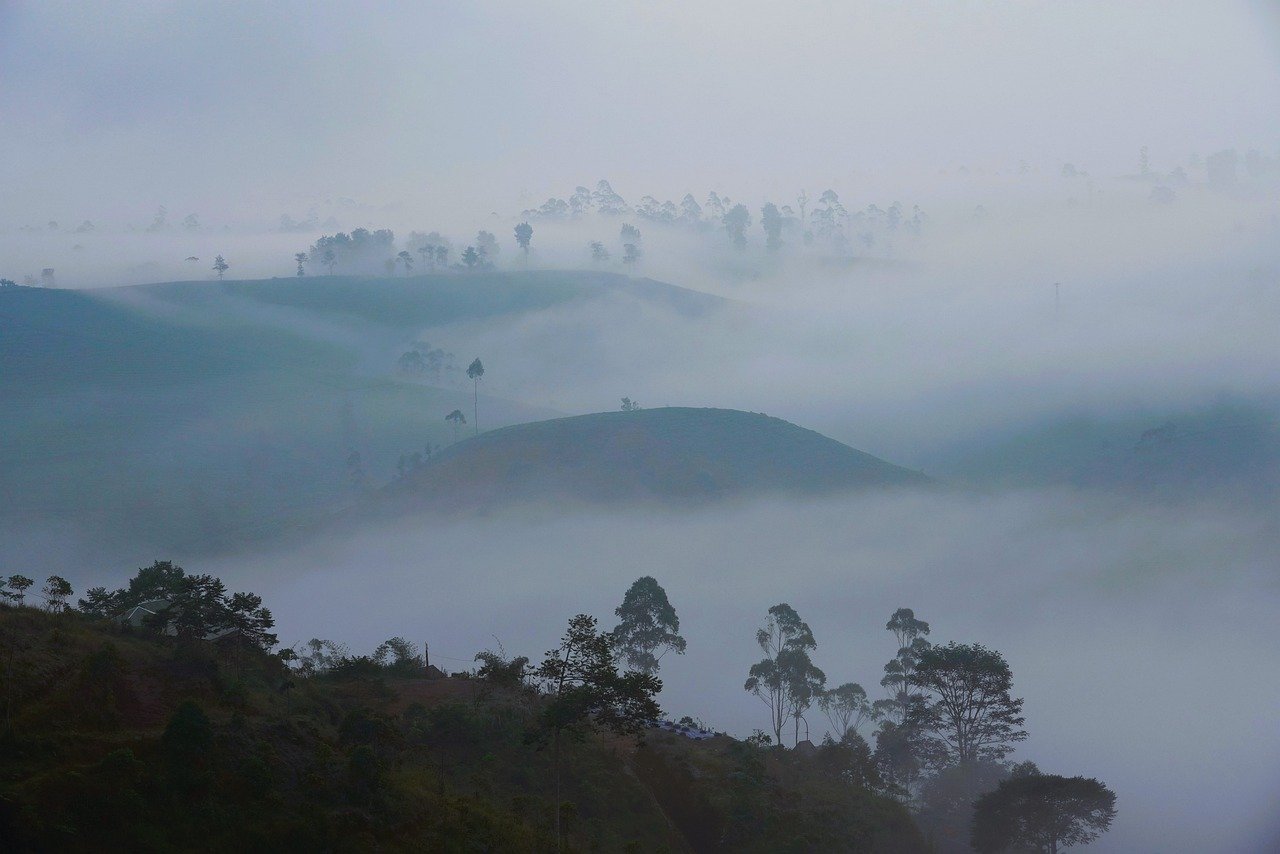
(428, 299)
(666, 455)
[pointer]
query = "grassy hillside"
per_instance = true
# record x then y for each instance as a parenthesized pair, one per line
(122, 741)
(666, 454)
(192, 415)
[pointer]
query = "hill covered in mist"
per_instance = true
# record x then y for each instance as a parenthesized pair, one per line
(195, 414)
(670, 454)
(418, 301)
(1232, 445)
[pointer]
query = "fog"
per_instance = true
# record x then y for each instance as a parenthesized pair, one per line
(1138, 287)
(1140, 636)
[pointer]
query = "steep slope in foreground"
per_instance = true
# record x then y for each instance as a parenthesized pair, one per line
(669, 454)
(125, 741)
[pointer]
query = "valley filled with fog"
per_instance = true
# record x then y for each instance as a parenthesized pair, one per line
(1044, 325)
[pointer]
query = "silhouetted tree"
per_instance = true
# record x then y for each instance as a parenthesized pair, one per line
(220, 266)
(18, 586)
(736, 222)
(524, 234)
(585, 690)
(771, 222)
(456, 419)
(629, 234)
(496, 669)
(197, 605)
(487, 246)
(909, 632)
(1042, 812)
(474, 372)
(629, 405)
(898, 756)
(56, 592)
(690, 210)
(399, 655)
(846, 707)
(301, 258)
(967, 713)
(648, 625)
(630, 254)
(471, 257)
(406, 260)
(598, 253)
(786, 680)
(330, 260)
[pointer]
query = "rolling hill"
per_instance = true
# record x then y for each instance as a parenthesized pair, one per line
(663, 455)
(187, 415)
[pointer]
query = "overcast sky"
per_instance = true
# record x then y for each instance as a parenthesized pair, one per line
(243, 110)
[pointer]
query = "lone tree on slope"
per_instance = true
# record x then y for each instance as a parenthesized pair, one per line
(474, 372)
(220, 266)
(649, 627)
(456, 419)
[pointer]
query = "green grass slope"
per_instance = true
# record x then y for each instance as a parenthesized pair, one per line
(666, 454)
(193, 415)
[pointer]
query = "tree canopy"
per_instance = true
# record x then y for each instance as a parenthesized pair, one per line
(648, 627)
(786, 680)
(966, 713)
(196, 605)
(1042, 812)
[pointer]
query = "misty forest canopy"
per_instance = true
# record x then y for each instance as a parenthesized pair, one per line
(823, 223)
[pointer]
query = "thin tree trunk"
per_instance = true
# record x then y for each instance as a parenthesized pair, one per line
(559, 844)
(475, 404)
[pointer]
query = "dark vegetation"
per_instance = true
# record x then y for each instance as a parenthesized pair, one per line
(157, 716)
(943, 735)
(147, 735)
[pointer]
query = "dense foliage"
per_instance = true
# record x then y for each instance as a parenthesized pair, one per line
(124, 738)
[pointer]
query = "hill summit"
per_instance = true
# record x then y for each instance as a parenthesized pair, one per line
(671, 454)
